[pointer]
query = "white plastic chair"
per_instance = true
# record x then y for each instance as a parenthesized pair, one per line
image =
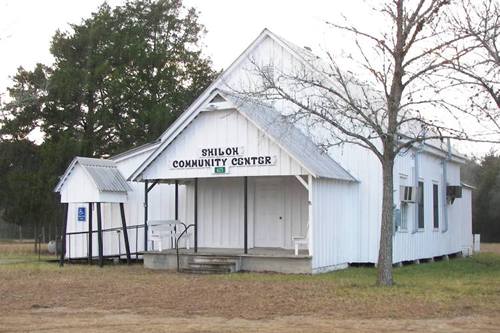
(169, 230)
(300, 240)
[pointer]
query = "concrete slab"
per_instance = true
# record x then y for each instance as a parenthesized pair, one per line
(256, 260)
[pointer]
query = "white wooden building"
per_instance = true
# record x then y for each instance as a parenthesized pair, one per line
(254, 186)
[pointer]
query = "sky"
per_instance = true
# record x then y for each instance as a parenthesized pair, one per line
(27, 26)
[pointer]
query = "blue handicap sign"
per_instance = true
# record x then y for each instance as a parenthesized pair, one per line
(82, 216)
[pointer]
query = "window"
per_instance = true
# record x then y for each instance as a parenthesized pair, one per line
(420, 198)
(404, 211)
(404, 216)
(435, 203)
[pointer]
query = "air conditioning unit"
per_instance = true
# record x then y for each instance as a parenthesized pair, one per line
(453, 192)
(407, 193)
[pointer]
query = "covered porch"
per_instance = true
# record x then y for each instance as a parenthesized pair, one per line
(260, 222)
(247, 174)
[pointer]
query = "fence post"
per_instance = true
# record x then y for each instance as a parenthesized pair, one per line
(63, 235)
(99, 235)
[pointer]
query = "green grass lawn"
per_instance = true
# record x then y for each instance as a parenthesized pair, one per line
(467, 284)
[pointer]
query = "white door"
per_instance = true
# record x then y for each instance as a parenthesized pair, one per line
(269, 213)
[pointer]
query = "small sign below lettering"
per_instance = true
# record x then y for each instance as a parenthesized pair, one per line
(220, 169)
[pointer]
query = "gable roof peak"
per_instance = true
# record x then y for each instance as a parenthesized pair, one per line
(103, 173)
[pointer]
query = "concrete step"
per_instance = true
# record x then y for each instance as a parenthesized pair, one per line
(215, 265)
(211, 265)
(206, 270)
(210, 259)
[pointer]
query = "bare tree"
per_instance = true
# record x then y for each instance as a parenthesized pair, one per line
(386, 97)
(479, 69)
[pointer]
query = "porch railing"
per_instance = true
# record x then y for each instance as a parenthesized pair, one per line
(118, 233)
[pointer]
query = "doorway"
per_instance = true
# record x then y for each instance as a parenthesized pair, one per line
(269, 213)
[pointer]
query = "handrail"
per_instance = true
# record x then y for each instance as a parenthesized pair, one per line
(129, 227)
(186, 228)
(137, 226)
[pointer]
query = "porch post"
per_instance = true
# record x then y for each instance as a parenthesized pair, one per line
(176, 214)
(125, 232)
(176, 199)
(245, 212)
(145, 216)
(63, 235)
(195, 215)
(99, 234)
(310, 229)
(89, 259)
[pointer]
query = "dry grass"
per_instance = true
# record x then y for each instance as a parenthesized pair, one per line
(64, 320)
(462, 295)
(23, 249)
(490, 247)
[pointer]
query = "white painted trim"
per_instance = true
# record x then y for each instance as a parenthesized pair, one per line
(265, 33)
(175, 129)
(187, 116)
(134, 152)
(193, 109)
(195, 113)
(66, 174)
(302, 181)
(310, 229)
(217, 106)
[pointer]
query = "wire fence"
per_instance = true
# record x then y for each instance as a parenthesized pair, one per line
(14, 231)
(11, 231)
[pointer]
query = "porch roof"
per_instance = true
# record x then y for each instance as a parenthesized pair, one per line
(277, 127)
(287, 135)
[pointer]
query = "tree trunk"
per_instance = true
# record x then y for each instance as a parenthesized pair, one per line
(386, 230)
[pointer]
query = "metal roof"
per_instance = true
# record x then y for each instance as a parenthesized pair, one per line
(292, 139)
(136, 150)
(104, 174)
(318, 65)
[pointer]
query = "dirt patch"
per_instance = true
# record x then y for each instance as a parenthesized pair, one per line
(460, 295)
(62, 320)
(490, 247)
(247, 296)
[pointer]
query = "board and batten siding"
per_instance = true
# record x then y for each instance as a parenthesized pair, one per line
(414, 243)
(221, 129)
(79, 187)
(365, 167)
(336, 224)
(221, 210)
(359, 242)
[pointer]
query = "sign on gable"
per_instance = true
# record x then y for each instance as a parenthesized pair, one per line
(222, 158)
